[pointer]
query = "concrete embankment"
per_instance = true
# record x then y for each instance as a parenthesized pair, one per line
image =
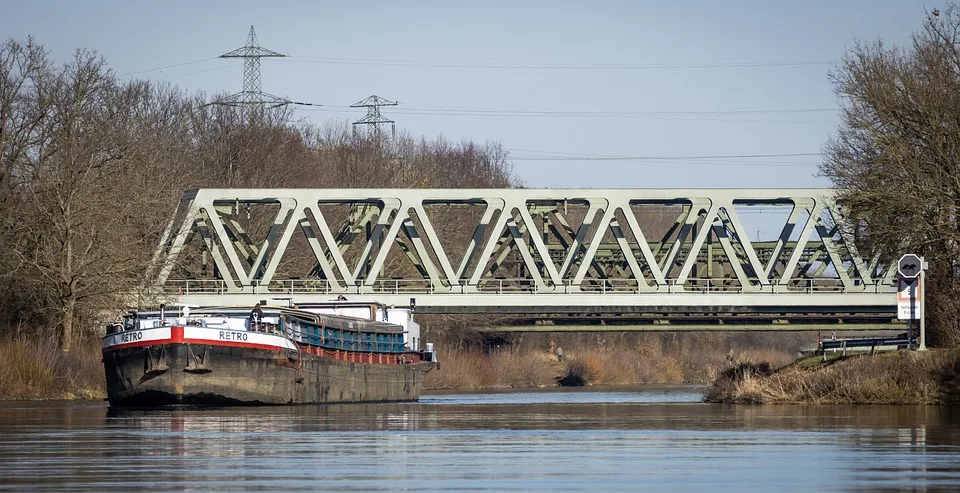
(900, 377)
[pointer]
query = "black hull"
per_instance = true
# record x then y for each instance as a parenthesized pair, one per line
(218, 375)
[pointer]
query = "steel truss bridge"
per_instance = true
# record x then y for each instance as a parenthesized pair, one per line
(550, 259)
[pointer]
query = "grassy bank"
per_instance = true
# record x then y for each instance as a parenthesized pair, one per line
(901, 377)
(38, 370)
(645, 359)
(35, 370)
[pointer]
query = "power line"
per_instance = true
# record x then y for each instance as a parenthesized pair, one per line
(602, 113)
(549, 66)
(167, 66)
(618, 113)
(451, 109)
(675, 115)
(760, 164)
(252, 52)
(747, 163)
(656, 118)
(194, 73)
(663, 158)
(519, 65)
(536, 152)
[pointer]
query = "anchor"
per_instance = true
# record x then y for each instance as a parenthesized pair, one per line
(196, 363)
(153, 367)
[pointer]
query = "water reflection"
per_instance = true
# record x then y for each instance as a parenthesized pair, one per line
(664, 439)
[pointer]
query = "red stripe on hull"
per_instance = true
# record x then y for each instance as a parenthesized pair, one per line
(181, 340)
(232, 344)
(137, 344)
(176, 337)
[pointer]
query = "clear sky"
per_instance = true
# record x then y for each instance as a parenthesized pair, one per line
(553, 81)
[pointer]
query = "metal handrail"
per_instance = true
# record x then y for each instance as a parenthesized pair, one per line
(522, 286)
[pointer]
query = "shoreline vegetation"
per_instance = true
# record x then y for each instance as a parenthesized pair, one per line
(34, 370)
(898, 377)
(585, 366)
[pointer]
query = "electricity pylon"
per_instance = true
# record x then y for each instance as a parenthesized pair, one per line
(373, 117)
(252, 96)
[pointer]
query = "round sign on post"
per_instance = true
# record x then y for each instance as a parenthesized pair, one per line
(909, 266)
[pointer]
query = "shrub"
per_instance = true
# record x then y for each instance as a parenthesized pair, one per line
(38, 370)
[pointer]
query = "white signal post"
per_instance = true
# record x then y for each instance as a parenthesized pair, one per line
(923, 310)
(911, 268)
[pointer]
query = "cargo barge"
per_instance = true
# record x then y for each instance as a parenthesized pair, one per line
(265, 356)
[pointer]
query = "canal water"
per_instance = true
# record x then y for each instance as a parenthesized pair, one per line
(650, 439)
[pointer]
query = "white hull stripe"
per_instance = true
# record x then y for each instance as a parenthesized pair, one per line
(136, 336)
(196, 335)
(221, 335)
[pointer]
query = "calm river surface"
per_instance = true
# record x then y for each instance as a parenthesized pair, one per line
(643, 439)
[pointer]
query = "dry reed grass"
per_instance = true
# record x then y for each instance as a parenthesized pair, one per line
(37, 370)
(33, 370)
(599, 360)
(503, 368)
(619, 366)
(903, 377)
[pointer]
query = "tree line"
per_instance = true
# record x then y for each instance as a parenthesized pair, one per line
(92, 165)
(895, 158)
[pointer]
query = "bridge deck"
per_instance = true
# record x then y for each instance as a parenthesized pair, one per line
(521, 251)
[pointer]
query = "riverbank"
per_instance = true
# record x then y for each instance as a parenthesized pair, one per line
(38, 370)
(645, 361)
(900, 377)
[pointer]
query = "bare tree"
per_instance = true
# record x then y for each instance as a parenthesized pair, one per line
(91, 167)
(895, 156)
(66, 225)
(23, 106)
(87, 190)
(24, 127)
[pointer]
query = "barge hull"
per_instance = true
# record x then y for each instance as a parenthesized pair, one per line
(212, 374)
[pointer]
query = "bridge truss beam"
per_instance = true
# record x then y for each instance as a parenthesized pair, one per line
(521, 250)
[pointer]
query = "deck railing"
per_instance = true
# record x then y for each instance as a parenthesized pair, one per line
(508, 286)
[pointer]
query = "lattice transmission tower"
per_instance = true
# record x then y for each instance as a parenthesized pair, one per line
(252, 96)
(373, 117)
